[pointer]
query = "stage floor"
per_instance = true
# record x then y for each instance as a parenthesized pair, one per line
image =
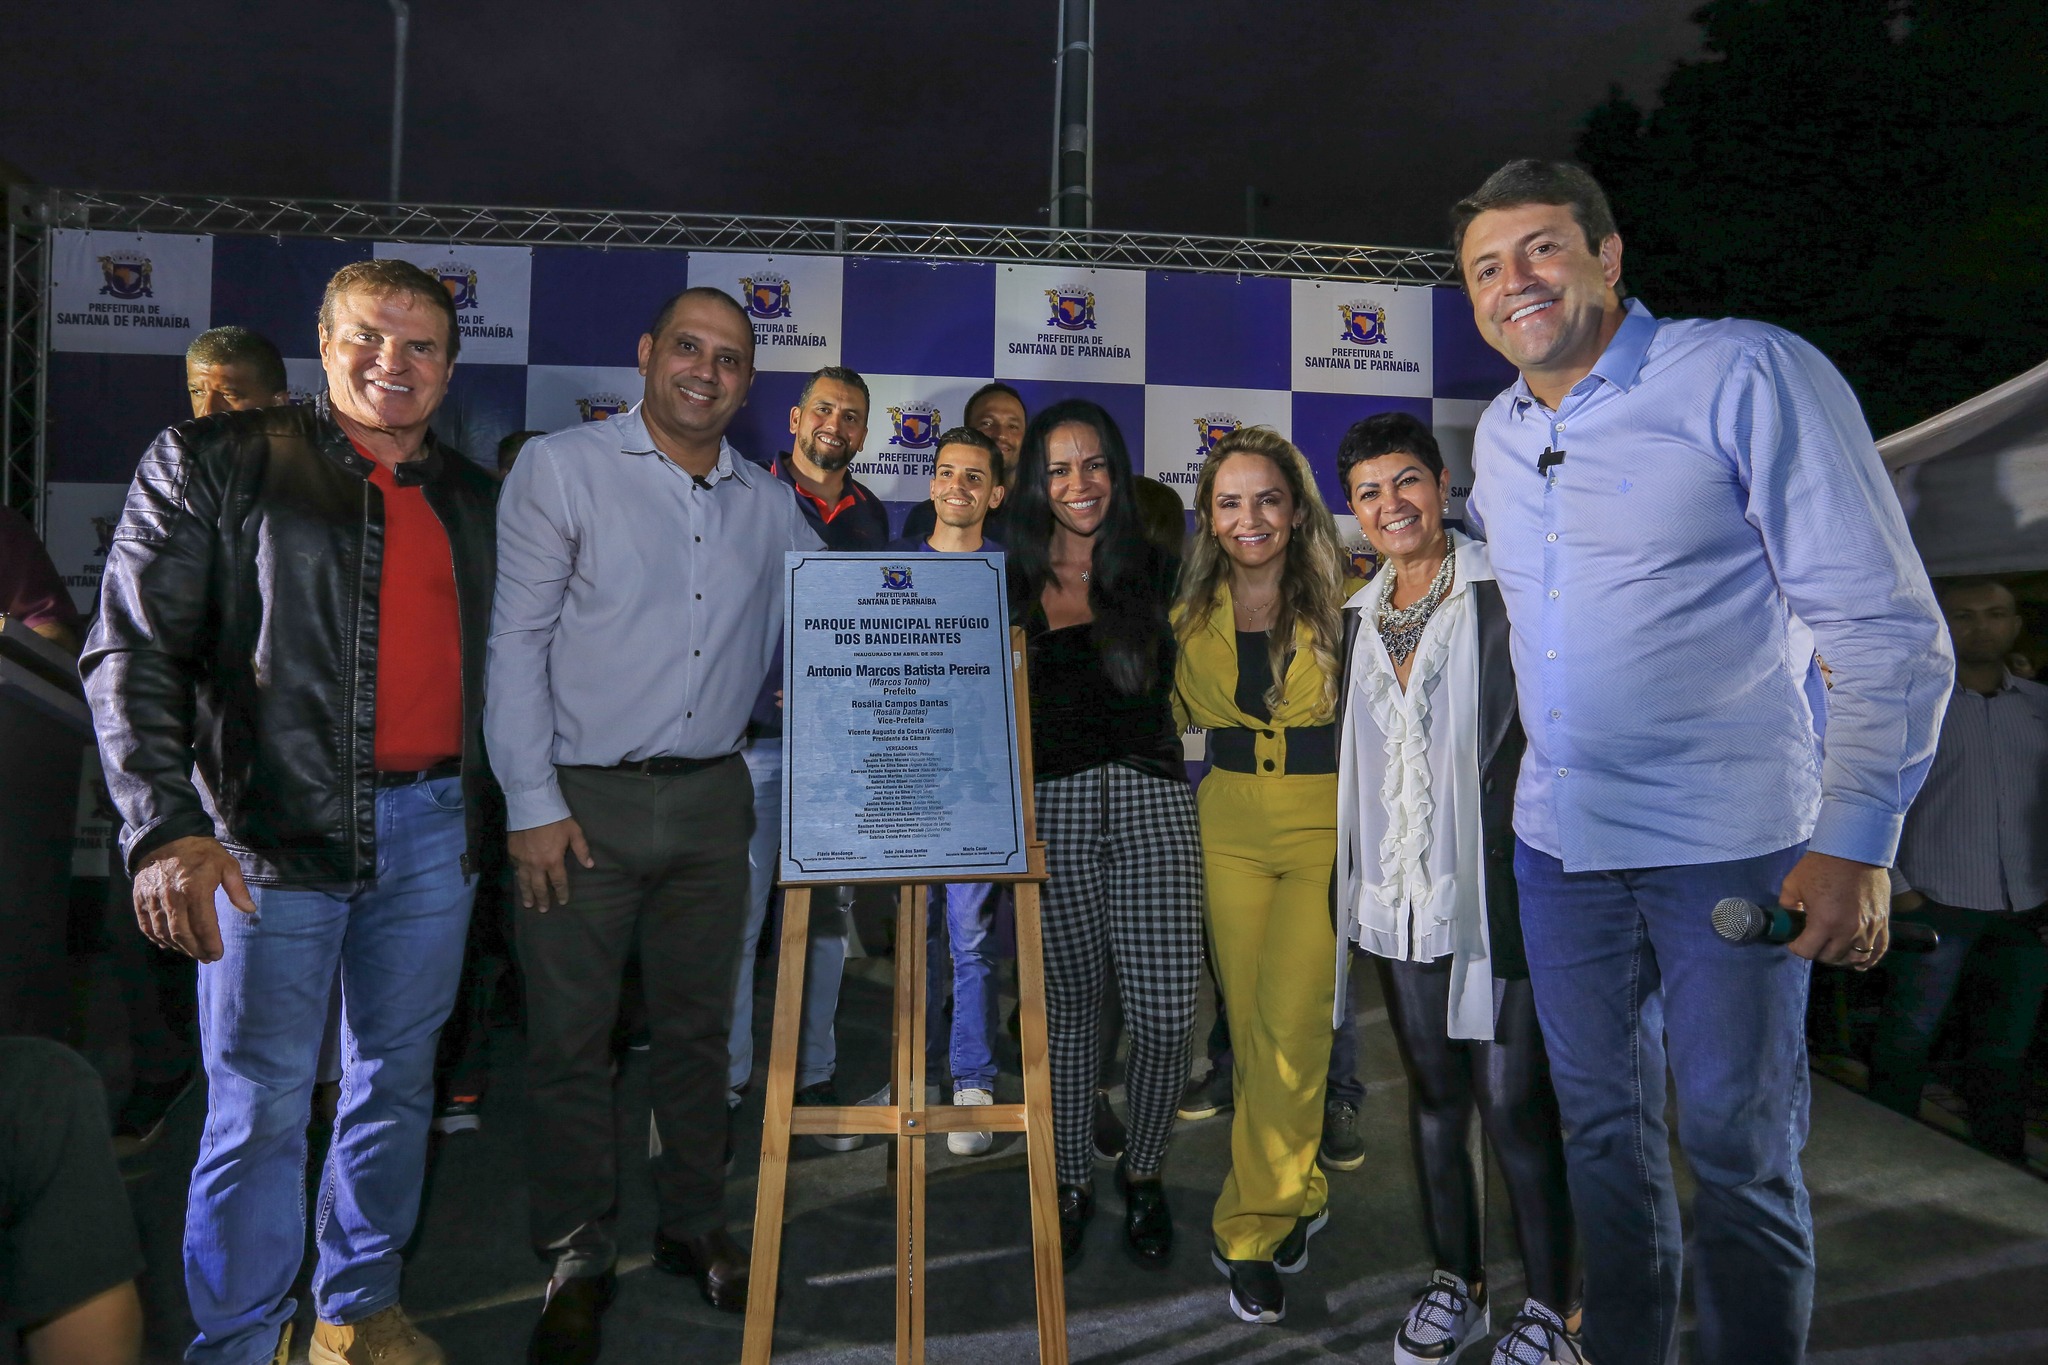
(1928, 1250)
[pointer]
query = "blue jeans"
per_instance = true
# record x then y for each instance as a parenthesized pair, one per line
(1630, 977)
(262, 1010)
(831, 919)
(966, 923)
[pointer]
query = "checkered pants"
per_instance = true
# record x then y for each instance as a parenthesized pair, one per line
(1125, 861)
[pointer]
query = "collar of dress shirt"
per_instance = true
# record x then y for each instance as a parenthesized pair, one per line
(634, 439)
(1621, 364)
(2005, 684)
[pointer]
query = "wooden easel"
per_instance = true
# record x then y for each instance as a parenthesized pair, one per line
(908, 1120)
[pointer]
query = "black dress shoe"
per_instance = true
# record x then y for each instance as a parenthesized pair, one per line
(1255, 1292)
(715, 1261)
(568, 1330)
(1077, 1206)
(1148, 1222)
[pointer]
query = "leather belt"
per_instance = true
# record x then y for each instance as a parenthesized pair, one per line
(665, 766)
(1311, 749)
(447, 767)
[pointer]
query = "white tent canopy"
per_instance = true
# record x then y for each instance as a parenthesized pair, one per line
(1974, 480)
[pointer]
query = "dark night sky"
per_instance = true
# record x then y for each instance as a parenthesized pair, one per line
(1363, 121)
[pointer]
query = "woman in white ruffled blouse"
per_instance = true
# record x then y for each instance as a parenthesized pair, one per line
(1429, 743)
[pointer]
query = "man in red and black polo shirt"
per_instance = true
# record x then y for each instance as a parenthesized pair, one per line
(827, 427)
(287, 681)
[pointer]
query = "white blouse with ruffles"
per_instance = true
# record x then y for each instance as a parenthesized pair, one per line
(1411, 880)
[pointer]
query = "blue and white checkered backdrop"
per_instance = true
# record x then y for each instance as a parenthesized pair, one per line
(549, 334)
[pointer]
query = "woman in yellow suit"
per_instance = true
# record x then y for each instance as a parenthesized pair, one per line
(1258, 617)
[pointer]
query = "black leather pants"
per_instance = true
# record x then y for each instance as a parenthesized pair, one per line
(1509, 1080)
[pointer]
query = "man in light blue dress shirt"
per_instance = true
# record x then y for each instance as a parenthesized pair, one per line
(1680, 513)
(639, 602)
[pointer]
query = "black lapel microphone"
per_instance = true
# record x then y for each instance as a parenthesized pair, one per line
(1549, 460)
(700, 481)
(1741, 921)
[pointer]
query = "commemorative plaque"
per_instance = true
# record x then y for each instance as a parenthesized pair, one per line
(900, 724)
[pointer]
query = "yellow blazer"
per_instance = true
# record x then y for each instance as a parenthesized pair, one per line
(1205, 683)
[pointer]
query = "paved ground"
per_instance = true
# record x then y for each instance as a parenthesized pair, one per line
(1928, 1250)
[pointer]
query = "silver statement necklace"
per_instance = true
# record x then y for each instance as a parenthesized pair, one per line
(1401, 631)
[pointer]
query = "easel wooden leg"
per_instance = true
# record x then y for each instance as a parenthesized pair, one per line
(909, 1084)
(1038, 1142)
(773, 1182)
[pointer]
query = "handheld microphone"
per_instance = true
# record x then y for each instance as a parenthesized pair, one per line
(1741, 921)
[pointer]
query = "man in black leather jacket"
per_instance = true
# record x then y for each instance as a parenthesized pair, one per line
(287, 681)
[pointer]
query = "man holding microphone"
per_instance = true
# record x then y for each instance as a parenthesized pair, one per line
(1662, 499)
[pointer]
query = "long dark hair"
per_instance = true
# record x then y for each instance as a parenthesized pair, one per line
(1127, 578)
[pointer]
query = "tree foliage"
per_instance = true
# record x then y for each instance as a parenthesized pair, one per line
(1872, 174)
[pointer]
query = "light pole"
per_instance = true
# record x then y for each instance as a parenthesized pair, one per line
(401, 19)
(1073, 117)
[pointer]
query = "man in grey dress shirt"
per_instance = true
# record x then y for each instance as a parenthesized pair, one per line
(1973, 862)
(639, 602)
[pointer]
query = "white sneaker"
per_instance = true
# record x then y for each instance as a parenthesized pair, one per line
(1537, 1336)
(970, 1144)
(1443, 1322)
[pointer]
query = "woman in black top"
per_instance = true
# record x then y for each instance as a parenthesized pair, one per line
(1114, 807)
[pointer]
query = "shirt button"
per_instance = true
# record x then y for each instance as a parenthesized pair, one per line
(1269, 765)
(1551, 654)
(1551, 536)
(696, 653)
(1267, 733)
(698, 539)
(1557, 715)
(1564, 772)
(687, 715)
(700, 596)
(1553, 594)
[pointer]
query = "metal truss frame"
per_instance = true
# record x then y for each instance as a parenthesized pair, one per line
(24, 342)
(743, 232)
(33, 211)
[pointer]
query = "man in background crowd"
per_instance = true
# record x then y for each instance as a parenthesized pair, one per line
(967, 485)
(232, 369)
(639, 602)
(33, 995)
(509, 448)
(828, 428)
(68, 1250)
(996, 411)
(1659, 499)
(1973, 863)
(31, 590)
(328, 623)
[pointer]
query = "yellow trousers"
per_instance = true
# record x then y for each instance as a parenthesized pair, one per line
(1268, 845)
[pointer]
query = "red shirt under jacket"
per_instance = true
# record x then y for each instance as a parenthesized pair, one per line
(419, 634)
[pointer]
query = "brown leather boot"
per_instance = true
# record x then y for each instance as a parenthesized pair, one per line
(386, 1338)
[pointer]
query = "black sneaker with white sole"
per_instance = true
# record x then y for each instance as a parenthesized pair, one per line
(1343, 1146)
(1256, 1294)
(1445, 1320)
(825, 1095)
(1207, 1097)
(1292, 1256)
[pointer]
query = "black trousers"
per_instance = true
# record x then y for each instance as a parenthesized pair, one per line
(671, 880)
(1509, 1078)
